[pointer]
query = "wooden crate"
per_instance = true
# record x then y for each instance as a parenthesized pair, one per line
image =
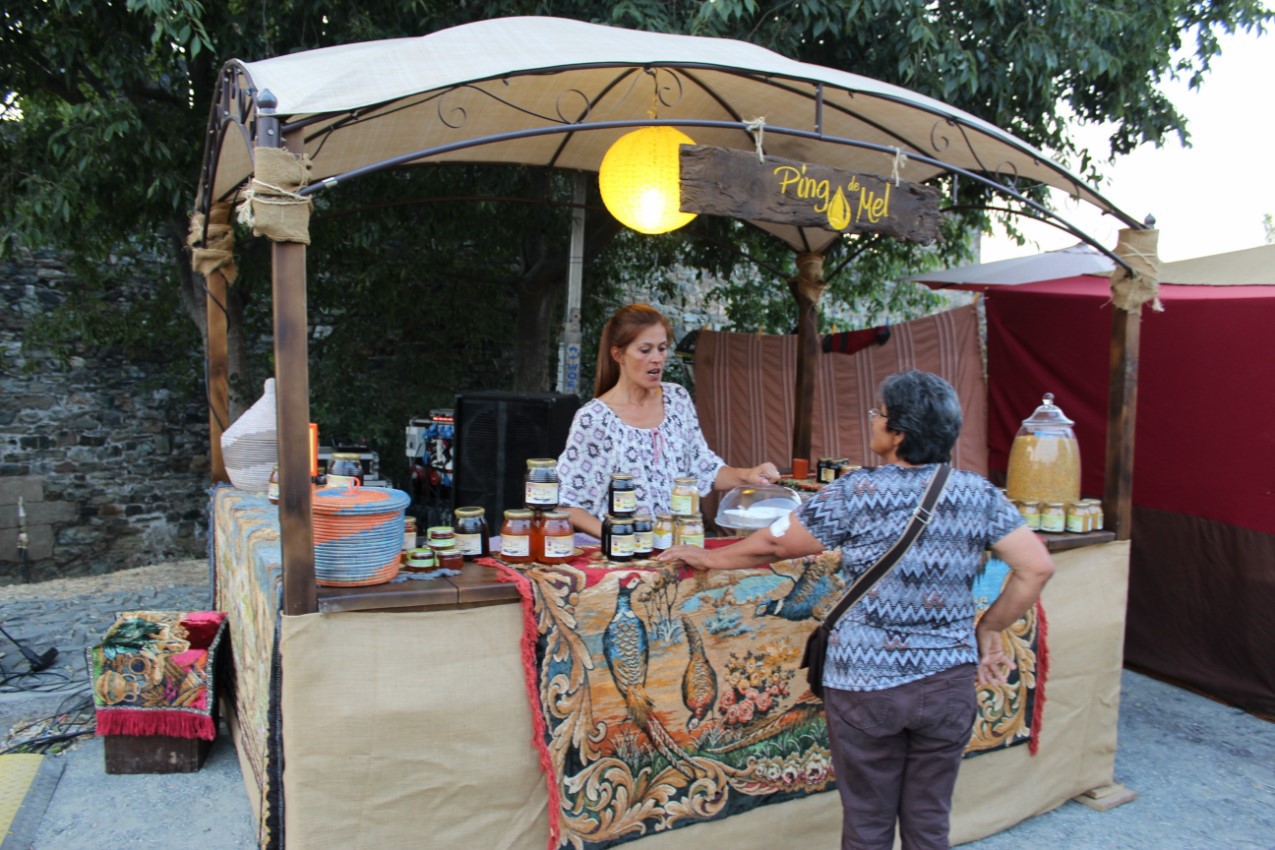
(155, 754)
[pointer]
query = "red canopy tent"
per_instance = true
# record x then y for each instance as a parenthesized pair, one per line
(1202, 584)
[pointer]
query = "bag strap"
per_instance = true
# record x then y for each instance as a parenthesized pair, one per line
(920, 519)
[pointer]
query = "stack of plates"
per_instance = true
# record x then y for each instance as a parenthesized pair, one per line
(358, 535)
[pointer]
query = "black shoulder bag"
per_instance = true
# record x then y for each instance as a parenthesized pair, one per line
(817, 643)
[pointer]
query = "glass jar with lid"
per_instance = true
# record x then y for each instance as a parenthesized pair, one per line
(1044, 461)
(826, 470)
(1098, 519)
(1030, 509)
(470, 524)
(1077, 517)
(1053, 517)
(685, 496)
(617, 538)
(515, 536)
(662, 534)
(688, 530)
(643, 535)
(554, 540)
(541, 483)
(621, 494)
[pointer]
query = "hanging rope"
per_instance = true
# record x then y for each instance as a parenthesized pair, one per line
(900, 160)
(757, 127)
(271, 205)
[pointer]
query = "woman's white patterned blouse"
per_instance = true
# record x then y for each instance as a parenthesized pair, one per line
(601, 442)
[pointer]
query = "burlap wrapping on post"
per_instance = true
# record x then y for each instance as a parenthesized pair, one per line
(1130, 290)
(271, 205)
(213, 250)
(809, 283)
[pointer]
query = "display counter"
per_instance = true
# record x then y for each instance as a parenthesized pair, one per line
(403, 709)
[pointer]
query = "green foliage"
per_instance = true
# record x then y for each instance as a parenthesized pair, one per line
(106, 101)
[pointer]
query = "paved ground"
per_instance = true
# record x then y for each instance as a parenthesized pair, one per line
(1204, 772)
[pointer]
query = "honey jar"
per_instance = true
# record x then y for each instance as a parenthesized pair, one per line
(515, 536)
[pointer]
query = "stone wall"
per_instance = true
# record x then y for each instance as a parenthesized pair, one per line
(110, 466)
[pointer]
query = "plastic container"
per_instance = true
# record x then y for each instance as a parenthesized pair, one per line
(1044, 462)
(749, 508)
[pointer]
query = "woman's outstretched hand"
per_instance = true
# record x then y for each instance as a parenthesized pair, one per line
(693, 556)
(760, 476)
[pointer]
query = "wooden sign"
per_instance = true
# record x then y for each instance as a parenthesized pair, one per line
(722, 181)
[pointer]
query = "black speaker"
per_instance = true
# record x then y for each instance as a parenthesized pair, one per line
(495, 434)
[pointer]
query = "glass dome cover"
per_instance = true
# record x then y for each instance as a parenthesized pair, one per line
(1048, 417)
(749, 508)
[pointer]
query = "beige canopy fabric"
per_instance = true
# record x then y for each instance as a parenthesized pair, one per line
(550, 91)
(1252, 266)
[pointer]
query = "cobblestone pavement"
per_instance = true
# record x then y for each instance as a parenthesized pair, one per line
(209, 809)
(1204, 772)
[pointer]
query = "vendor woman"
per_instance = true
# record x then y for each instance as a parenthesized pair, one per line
(640, 425)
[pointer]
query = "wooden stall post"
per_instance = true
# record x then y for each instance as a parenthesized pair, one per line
(218, 373)
(292, 382)
(1122, 403)
(807, 287)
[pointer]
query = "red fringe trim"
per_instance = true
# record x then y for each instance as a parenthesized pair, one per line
(530, 637)
(1042, 673)
(155, 722)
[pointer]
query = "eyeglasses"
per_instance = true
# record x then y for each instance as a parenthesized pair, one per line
(874, 414)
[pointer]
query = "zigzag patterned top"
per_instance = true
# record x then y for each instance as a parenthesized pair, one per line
(919, 619)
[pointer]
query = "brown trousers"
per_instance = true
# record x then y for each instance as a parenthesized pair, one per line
(896, 753)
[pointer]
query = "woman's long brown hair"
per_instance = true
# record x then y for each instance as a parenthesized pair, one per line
(620, 330)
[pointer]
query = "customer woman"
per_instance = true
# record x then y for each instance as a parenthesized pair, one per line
(639, 424)
(902, 662)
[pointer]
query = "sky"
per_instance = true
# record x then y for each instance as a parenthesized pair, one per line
(1207, 199)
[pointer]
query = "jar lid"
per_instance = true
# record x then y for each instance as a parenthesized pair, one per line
(1048, 414)
(622, 519)
(554, 515)
(621, 476)
(440, 532)
(346, 456)
(541, 462)
(687, 479)
(690, 518)
(469, 511)
(518, 513)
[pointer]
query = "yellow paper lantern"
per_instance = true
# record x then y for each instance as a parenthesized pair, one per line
(640, 180)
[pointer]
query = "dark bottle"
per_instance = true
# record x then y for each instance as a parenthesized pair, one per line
(471, 532)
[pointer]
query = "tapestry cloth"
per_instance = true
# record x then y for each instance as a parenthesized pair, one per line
(154, 674)
(437, 752)
(665, 697)
(248, 586)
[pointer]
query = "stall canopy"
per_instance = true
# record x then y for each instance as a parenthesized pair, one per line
(1202, 583)
(556, 92)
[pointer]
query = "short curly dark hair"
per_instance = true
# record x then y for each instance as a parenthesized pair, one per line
(925, 409)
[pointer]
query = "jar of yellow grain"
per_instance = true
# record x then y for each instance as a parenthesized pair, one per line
(1044, 462)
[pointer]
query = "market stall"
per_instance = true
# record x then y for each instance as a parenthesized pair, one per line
(395, 714)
